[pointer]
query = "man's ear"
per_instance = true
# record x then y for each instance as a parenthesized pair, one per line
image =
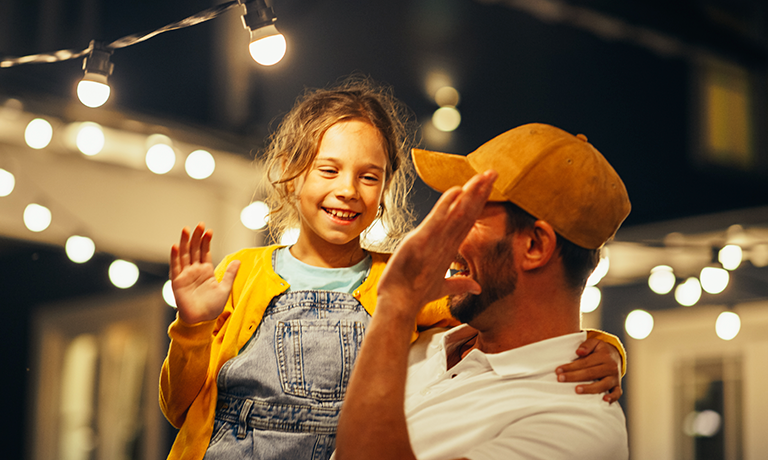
(541, 243)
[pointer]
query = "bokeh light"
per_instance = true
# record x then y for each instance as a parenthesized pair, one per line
(168, 296)
(160, 158)
(662, 279)
(123, 274)
(590, 299)
(688, 292)
(730, 256)
(7, 182)
(639, 324)
(254, 216)
(291, 236)
(90, 138)
(79, 249)
(728, 325)
(37, 217)
(200, 164)
(714, 280)
(38, 133)
(446, 119)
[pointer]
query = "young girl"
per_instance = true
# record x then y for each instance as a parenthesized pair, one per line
(263, 346)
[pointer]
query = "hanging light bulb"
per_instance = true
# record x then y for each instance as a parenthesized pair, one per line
(267, 44)
(93, 90)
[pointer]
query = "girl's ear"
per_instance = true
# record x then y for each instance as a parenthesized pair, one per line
(290, 186)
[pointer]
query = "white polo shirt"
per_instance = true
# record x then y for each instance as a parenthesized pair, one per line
(507, 405)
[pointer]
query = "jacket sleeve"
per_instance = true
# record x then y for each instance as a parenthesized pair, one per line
(186, 366)
(611, 340)
(436, 314)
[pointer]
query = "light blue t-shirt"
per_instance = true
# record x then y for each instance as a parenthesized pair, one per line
(303, 277)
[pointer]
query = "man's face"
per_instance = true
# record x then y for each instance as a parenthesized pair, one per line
(485, 256)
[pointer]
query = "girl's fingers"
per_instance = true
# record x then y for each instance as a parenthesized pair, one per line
(195, 243)
(205, 247)
(184, 248)
(175, 263)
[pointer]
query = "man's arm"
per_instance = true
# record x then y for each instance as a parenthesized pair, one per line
(372, 424)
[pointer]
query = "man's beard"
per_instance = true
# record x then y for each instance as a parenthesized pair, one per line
(499, 280)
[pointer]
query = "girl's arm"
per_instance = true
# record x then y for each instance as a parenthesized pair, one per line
(200, 298)
(602, 360)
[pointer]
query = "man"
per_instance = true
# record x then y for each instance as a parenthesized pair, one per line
(490, 389)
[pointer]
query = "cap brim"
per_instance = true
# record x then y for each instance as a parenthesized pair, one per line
(442, 171)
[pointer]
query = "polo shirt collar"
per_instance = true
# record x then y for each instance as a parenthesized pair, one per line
(536, 358)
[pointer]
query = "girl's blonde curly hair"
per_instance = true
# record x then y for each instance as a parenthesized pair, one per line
(293, 146)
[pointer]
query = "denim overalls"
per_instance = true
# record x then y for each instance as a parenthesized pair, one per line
(281, 396)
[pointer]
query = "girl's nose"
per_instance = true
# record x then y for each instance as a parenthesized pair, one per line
(346, 188)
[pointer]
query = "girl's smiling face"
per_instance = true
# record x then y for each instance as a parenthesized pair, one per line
(339, 196)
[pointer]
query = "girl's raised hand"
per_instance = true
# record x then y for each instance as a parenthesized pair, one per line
(199, 295)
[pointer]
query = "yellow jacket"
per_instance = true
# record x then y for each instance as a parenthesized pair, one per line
(188, 390)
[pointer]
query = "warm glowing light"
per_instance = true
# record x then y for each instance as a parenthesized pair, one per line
(255, 215)
(123, 274)
(93, 93)
(702, 424)
(446, 119)
(590, 299)
(38, 133)
(160, 158)
(662, 279)
(90, 139)
(730, 256)
(714, 280)
(267, 45)
(168, 296)
(291, 236)
(7, 182)
(447, 96)
(759, 255)
(376, 233)
(200, 164)
(639, 324)
(79, 249)
(688, 292)
(36, 217)
(601, 270)
(727, 325)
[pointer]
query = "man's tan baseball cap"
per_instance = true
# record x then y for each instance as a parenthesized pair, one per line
(551, 174)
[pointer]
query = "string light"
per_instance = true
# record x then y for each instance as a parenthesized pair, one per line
(267, 47)
(93, 90)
